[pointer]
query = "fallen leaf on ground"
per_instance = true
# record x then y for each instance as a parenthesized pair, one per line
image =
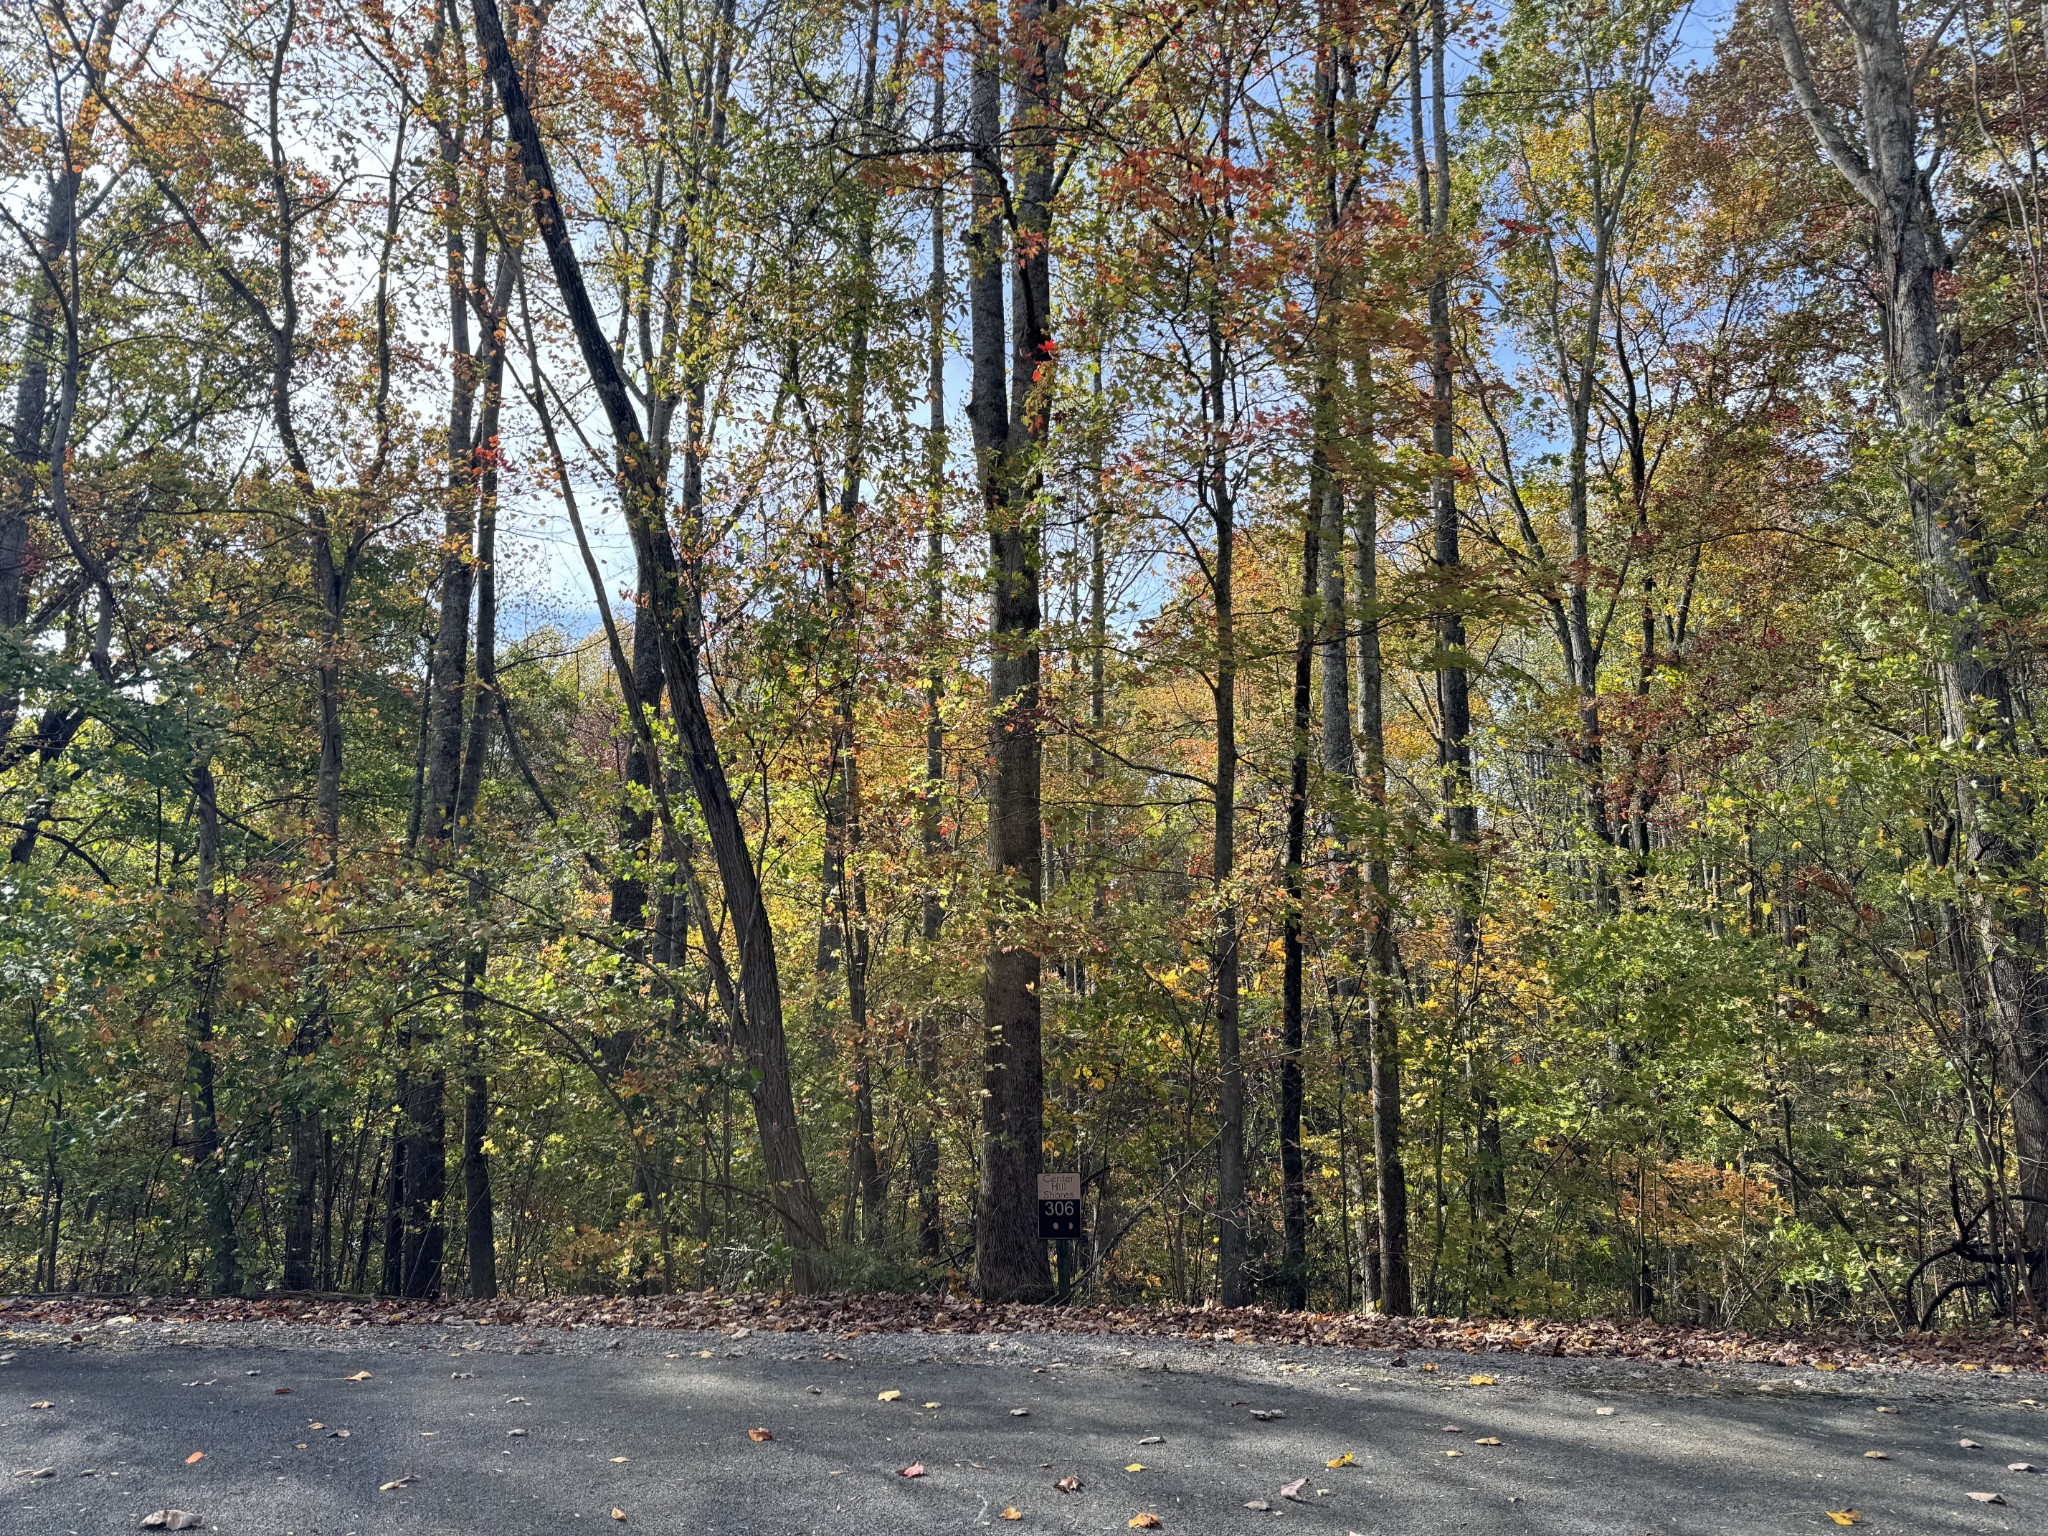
(516, 1434)
(359, 1376)
(43, 1404)
(1153, 1440)
(1605, 1413)
(759, 1436)
(889, 1396)
(618, 1514)
(1988, 1498)
(2021, 1466)
(1478, 1380)
(1136, 1466)
(1487, 1440)
(1293, 1490)
(195, 1456)
(1429, 1365)
(934, 1405)
(1886, 1408)
(1454, 1429)
(618, 1461)
(1877, 1455)
(1143, 1522)
(1259, 1504)
(1969, 1445)
(1267, 1415)
(37, 1472)
(1845, 1516)
(1338, 1461)
(1020, 1413)
(396, 1482)
(316, 1425)
(1013, 1513)
(281, 1392)
(915, 1469)
(1068, 1484)
(171, 1520)
(1454, 1453)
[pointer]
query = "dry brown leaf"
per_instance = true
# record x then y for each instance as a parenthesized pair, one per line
(1487, 1440)
(1068, 1484)
(887, 1397)
(2021, 1466)
(1293, 1490)
(195, 1457)
(915, 1469)
(1258, 1504)
(1877, 1455)
(396, 1482)
(1969, 1445)
(171, 1520)
(282, 1392)
(44, 1404)
(618, 1514)
(1143, 1522)
(759, 1436)
(1988, 1498)
(359, 1376)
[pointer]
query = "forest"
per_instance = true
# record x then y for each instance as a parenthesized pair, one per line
(661, 645)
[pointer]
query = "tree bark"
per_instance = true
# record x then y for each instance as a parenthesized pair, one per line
(1232, 1283)
(1956, 568)
(1010, 433)
(208, 1165)
(643, 499)
(924, 1149)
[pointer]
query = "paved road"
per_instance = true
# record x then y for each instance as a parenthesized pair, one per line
(504, 1434)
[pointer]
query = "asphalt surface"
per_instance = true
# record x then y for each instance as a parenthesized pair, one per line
(497, 1431)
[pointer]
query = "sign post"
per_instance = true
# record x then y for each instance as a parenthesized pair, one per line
(1059, 1222)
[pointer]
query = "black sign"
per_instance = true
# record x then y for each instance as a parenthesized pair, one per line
(1059, 1218)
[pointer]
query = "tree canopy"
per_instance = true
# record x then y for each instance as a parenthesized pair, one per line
(669, 645)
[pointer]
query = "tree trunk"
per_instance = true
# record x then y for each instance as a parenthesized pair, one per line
(1957, 572)
(208, 1166)
(1232, 1284)
(924, 1149)
(1460, 816)
(1293, 1190)
(643, 499)
(1010, 434)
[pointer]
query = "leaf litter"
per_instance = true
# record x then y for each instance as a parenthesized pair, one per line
(853, 1316)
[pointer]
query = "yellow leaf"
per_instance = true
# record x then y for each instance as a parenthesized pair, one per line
(931, 1405)
(1845, 1516)
(1339, 1461)
(1013, 1513)
(1143, 1522)
(359, 1376)
(1481, 1381)
(887, 1397)
(1136, 1466)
